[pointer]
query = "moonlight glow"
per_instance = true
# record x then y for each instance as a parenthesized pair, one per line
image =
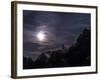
(41, 36)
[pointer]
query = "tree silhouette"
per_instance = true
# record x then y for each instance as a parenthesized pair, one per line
(79, 54)
(76, 55)
(41, 61)
(27, 63)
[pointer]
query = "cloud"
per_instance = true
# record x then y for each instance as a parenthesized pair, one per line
(60, 28)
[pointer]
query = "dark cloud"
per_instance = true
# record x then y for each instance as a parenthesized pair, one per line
(60, 28)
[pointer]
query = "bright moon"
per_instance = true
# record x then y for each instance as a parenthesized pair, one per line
(41, 36)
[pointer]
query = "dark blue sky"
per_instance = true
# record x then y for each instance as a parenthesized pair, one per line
(60, 28)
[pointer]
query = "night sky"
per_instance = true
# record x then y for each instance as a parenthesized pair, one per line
(59, 28)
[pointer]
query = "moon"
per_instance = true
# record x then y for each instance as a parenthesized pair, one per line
(41, 36)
